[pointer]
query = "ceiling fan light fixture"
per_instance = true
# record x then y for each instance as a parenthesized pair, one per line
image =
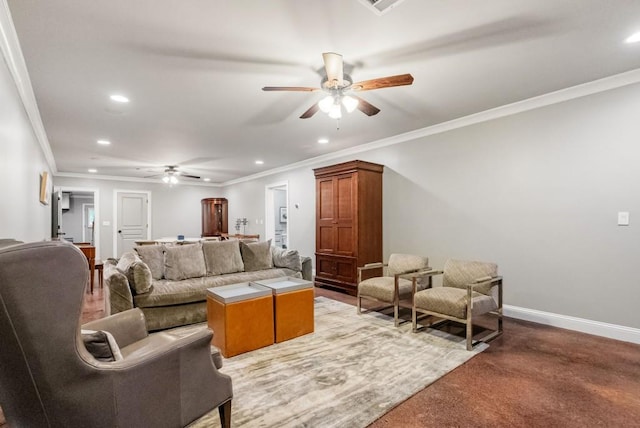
(165, 179)
(349, 103)
(326, 103)
(335, 112)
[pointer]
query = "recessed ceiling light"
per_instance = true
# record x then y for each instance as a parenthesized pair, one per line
(119, 98)
(323, 140)
(633, 38)
(104, 142)
(259, 162)
(92, 170)
(207, 179)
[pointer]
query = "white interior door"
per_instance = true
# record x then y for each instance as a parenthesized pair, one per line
(132, 219)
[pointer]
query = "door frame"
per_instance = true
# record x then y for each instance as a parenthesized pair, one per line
(115, 215)
(269, 210)
(96, 208)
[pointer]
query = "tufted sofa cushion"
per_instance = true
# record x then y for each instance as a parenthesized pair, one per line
(222, 257)
(284, 258)
(136, 271)
(153, 256)
(256, 255)
(184, 262)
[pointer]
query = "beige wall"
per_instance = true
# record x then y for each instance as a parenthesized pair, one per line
(22, 162)
(537, 192)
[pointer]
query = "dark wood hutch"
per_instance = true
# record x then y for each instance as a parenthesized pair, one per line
(348, 222)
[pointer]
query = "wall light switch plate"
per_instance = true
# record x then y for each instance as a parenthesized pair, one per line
(623, 218)
(106, 223)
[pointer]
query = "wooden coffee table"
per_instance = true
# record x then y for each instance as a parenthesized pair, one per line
(241, 317)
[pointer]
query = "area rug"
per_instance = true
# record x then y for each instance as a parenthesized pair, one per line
(349, 372)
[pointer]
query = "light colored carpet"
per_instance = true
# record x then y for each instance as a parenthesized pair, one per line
(349, 372)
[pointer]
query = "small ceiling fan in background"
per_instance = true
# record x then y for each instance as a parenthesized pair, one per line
(171, 174)
(340, 87)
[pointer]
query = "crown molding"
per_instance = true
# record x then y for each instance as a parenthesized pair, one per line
(12, 54)
(556, 97)
(129, 179)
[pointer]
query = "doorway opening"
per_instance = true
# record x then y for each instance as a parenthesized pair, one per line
(277, 214)
(76, 215)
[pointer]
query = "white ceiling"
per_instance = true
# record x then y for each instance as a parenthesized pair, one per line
(194, 70)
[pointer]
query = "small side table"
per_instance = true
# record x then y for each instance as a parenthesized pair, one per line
(241, 317)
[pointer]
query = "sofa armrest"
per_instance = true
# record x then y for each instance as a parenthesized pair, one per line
(120, 296)
(306, 268)
(126, 327)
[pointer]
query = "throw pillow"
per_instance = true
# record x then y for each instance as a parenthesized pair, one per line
(153, 256)
(222, 257)
(256, 255)
(184, 261)
(101, 345)
(284, 258)
(136, 271)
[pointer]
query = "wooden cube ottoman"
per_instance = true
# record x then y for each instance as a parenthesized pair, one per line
(293, 306)
(241, 317)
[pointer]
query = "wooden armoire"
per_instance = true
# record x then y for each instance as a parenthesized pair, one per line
(348, 222)
(214, 216)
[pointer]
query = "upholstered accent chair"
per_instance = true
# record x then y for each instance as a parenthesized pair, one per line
(469, 289)
(48, 378)
(401, 275)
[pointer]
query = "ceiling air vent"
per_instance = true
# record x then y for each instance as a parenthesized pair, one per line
(381, 7)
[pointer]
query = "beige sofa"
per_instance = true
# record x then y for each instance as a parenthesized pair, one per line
(169, 282)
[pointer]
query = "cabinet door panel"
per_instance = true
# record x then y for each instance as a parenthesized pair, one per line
(325, 200)
(326, 239)
(325, 267)
(345, 270)
(344, 245)
(345, 198)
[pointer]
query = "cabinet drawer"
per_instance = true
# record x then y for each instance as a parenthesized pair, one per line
(341, 269)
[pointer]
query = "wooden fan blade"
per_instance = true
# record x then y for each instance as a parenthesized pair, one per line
(366, 107)
(312, 110)
(383, 82)
(189, 176)
(334, 67)
(290, 88)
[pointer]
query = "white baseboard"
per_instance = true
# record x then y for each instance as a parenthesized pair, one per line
(612, 331)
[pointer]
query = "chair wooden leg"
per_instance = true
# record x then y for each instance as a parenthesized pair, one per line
(225, 414)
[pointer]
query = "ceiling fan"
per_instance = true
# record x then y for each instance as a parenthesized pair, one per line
(171, 174)
(339, 87)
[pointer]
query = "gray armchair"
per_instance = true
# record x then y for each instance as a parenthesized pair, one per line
(400, 276)
(469, 289)
(49, 379)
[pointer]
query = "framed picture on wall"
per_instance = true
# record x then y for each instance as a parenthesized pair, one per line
(283, 214)
(44, 188)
